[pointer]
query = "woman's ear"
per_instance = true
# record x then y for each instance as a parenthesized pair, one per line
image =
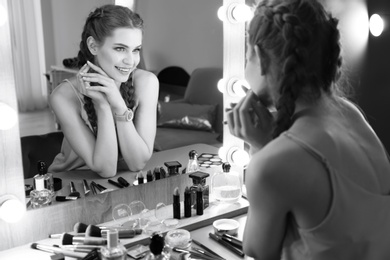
(92, 45)
(263, 60)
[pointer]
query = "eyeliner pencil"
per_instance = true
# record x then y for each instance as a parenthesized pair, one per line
(196, 242)
(227, 245)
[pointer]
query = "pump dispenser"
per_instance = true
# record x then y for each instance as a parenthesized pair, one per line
(226, 185)
(193, 164)
(114, 250)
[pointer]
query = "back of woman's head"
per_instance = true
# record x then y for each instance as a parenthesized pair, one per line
(102, 22)
(301, 41)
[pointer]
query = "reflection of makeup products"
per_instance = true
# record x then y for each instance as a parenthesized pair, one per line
(173, 168)
(192, 165)
(163, 173)
(68, 239)
(199, 201)
(225, 244)
(176, 203)
(140, 177)
(149, 176)
(123, 182)
(115, 183)
(187, 202)
(157, 173)
(57, 250)
(73, 191)
(66, 198)
(199, 181)
(86, 187)
(97, 187)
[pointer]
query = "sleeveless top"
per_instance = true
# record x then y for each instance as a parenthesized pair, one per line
(67, 159)
(357, 225)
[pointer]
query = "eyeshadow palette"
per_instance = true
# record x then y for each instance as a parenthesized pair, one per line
(208, 160)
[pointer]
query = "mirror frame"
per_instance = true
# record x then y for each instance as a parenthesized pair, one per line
(37, 224)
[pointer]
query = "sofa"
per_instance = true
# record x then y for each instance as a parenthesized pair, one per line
(197, 117)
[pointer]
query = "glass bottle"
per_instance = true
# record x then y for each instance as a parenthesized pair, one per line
(199, 182)
(193, 164)
(114, 250)
(43, 191)
(226, 185)
(157, 248)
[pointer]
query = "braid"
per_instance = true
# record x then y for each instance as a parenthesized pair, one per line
(302, 39)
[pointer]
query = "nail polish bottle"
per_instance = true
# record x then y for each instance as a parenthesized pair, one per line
(193, 164)
(114, 250)
(199, 181)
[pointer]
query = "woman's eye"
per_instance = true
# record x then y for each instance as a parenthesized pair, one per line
(120, 49)
(137, 50)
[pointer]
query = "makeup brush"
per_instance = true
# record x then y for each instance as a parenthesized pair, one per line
(60, 235)
(95, 231)
(68, 239)
(80, 227)
(57, 250)
(73, 191)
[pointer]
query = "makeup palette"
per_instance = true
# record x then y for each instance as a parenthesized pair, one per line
(208, 160)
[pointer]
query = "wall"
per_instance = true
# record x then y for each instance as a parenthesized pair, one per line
(374, 92)
(184, 33)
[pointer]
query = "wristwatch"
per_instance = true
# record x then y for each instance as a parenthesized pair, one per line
(127, 116)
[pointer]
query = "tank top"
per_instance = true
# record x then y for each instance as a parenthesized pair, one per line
(67, 159)
(356, 227)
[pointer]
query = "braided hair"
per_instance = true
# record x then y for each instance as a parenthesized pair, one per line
(100, 24)
(301, 38)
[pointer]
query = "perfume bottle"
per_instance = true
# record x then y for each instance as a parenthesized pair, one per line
(193, 164)
(173, 168)
(43, 191)
(226, 185)
(114, 250)
(199, 182)
(158, 251)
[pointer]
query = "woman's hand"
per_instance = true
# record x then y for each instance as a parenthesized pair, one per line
(251, 121)
(106, 88)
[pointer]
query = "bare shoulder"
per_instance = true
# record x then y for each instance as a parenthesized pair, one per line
(145, 81)
(63, 94)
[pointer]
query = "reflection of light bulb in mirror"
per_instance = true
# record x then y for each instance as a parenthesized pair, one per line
(238, 87)
(3, 15)
(221, 13)
(221, 85)
(8, 117)
(222, 153)
(240, 13)
(11, 209)
(376, 25)
(238, 157)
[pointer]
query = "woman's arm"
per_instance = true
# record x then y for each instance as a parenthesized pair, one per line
(100, 154)
(136, 139)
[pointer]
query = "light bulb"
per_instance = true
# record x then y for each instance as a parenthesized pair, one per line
(222, 153)
(241, 13)
(221, 85)
(11, 209)
(238, 87)
(8, 116)
(221, 13)
(239, 157)
(376, 25)
(3, 16)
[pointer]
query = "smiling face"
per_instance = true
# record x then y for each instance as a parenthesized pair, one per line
(119, 54)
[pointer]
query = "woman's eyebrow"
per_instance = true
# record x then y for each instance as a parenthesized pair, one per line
(126, 46)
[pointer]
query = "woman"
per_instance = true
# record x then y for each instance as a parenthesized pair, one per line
(108, 111)
(319, 179)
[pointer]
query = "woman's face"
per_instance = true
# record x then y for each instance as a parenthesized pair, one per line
(253, 75)
(119, 54)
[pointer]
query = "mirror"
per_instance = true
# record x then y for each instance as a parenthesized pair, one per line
(195, 22)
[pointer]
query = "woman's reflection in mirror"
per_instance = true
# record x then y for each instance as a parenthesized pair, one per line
(108, 111)
(318, 182)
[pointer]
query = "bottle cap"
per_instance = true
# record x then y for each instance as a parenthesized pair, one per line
(156, 244)
(226, 167)
(192, 154)
(112, 238)
(42, 168)
(198, 176)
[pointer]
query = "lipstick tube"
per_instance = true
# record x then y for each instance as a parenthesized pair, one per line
(176, 203)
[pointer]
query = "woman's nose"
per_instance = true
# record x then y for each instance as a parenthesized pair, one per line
(129, 59)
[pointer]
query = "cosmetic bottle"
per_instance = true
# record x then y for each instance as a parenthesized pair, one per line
(199, 201)
(199, 181)
(114, 250)
(193, 164)
(176, 203)
(187, 203)
(173, 168)
(157, 248)
(43, 191)
(226, 185)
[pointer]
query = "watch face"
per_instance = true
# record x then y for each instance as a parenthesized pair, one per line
(129, 115)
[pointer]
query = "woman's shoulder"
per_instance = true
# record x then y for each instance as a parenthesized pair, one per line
(65, 91)
(141, 75)
(145, 82)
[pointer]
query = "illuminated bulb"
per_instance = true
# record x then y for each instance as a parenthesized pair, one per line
(3, 15)
(222, 153)
(239, 157)
(238, 86)
(239, 13)
(11, 209)
(221, 85)
(221, 13)
(376, 25)
(8, 116)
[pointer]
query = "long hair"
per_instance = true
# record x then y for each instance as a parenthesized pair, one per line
(100, 24)
(303, 40)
